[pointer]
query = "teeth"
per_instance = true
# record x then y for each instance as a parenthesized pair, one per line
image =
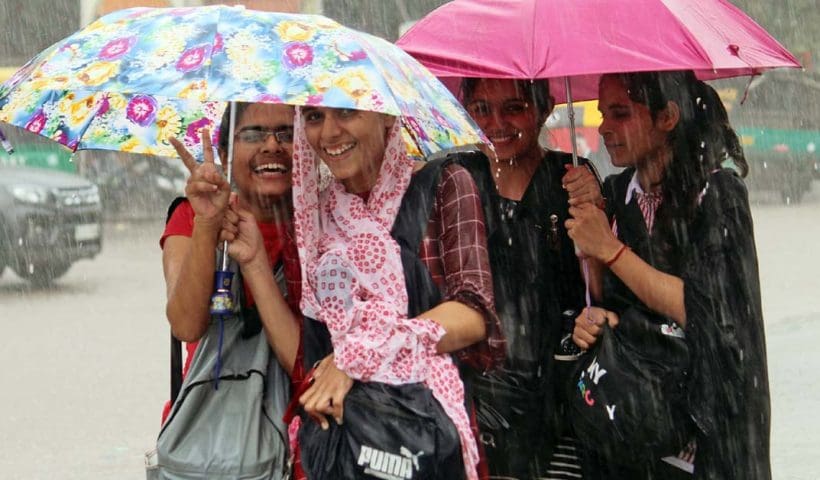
(505, 138)
(339, 150)
(271, 167)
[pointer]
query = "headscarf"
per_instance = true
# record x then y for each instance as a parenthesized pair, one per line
(354, 282)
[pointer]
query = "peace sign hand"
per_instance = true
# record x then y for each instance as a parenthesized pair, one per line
(207, 189)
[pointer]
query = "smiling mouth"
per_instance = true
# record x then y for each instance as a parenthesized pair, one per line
(504, 138)
(271, 168)
(340, 150)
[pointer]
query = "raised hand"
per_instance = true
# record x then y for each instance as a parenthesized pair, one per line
(240, 229)
(207, 189)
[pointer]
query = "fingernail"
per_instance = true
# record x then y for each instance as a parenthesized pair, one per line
(325, 425)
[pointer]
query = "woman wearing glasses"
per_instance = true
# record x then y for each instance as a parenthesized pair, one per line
(262, 175)
(536, 274)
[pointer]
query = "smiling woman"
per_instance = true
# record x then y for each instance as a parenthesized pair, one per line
(263, 248)
(388, 296)
(350, 142)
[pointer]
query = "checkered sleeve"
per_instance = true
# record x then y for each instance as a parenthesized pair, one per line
(456, 254)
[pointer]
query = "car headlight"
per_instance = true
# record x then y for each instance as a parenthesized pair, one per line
(30, 194)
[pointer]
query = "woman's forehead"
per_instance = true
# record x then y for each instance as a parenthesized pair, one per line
(267, 112)
(498, 88)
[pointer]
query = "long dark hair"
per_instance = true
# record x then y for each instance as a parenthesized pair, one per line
(701, 142)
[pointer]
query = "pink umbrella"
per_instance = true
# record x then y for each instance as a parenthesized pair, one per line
(586, 38)
(583, 39)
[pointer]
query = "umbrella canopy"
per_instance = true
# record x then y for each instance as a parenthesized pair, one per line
(135, 77)
(531, 39)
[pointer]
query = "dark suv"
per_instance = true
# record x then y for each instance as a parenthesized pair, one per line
(48, 220)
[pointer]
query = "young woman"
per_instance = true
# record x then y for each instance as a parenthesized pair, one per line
(262, 175)
(536, 275)
(368, 292)
(679, 244)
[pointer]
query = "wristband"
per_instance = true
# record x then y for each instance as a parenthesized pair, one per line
(617, 255)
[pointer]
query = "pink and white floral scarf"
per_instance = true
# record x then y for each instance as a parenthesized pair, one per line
(354, 282)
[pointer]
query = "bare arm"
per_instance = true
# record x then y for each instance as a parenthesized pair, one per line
(464, 325)
(660, 291)
(189, 263)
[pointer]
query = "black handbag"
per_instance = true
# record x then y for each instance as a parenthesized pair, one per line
(626, 400)
(393, 432)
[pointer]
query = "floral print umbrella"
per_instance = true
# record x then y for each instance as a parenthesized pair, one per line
(133, 78)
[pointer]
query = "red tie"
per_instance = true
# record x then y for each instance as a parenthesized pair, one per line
(648, 203)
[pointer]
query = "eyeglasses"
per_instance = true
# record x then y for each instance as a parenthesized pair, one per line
(254, 135)
(509, 108)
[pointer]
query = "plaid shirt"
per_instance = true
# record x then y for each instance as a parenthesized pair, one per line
(454, 250)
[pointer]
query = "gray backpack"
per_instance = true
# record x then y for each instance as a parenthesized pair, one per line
(230, 426)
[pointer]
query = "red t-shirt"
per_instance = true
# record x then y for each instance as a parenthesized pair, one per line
(279, 244)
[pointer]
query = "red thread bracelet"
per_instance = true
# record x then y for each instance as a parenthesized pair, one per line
(617, 255)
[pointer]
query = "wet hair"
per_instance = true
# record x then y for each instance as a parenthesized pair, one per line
(701, 142)
(225, 123)
(539, 92)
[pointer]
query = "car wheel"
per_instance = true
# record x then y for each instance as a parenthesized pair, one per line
(42, 275)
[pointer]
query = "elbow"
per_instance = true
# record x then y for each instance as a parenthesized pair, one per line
(479, 330)
(182, 326)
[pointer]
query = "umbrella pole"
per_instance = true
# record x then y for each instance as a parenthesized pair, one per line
(222, 301)
(571, 113)
(572, 136)
(228, 169)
